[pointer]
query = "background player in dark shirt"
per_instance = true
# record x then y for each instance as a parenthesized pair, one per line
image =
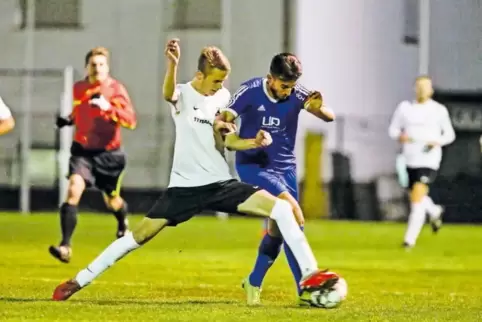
(101, 107)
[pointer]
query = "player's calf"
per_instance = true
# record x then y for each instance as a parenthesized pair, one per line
(68, 219)
(146, 230)
(75, 189)
(264, 204)
(416, 217)
(119, 209)
(268, 251)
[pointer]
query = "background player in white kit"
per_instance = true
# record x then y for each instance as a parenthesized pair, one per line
(7, 123)
(200, 178)
(423, 127)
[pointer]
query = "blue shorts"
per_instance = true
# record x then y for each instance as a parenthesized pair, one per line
(275, 182)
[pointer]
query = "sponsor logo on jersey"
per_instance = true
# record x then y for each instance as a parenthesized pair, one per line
(202, 121)
(270, 121)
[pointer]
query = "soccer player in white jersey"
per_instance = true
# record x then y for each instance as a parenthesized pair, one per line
(422, 126)
(200, 178)
(7, 123)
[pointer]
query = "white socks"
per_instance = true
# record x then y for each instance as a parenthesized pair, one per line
(282, 213)
(432, 209)
(416, 220)
(115, 251)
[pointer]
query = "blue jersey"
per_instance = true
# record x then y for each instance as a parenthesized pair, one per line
(258, 111)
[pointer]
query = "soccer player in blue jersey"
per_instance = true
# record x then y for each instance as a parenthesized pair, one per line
(273, 104)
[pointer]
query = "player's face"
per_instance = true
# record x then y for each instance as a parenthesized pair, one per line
(423, 89)
(213, 81)
(279, 88)
(98, 68)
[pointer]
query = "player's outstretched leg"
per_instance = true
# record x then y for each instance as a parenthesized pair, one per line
(261, 203)
(68, 219)
(295, 268)
(119, 209)
(416, 218)
(434, 213)
(268, 251)
(146, 230)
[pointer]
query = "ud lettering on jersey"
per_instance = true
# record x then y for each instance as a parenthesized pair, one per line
(279, 118)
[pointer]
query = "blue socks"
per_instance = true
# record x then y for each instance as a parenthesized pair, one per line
(268, 251)
(295, 268)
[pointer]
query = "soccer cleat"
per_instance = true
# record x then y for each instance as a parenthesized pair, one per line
(319, 280)
(253, 293)
(62, 253)
(407, 246)
(436, 224)
(66, 290)
(122, 228)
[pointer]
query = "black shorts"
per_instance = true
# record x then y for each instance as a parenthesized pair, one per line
(423, 175)
(101, 169)
(179, 204)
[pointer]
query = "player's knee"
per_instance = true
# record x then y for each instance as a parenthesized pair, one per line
(281, 207)
(259, 204)
(418, 192)
(75, 190)
(114, 202)
(147, 229)
(272, 229)
(294, 205)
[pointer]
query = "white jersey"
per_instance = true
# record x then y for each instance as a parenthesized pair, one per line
(4, 111)
(196, 161)
(422, 123)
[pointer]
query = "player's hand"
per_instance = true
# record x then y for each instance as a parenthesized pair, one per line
(403, 138)
(430, 145)
(101, 102)
(173, 51)
(314, 100)
(60, 122)
(263, 139)
(224, 127)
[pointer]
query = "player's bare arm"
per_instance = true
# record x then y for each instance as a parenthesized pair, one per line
(7, 125)
(7, 122)
(314, 105)
(172, 53)
(223, 127)
(226, 116)
(234, 143)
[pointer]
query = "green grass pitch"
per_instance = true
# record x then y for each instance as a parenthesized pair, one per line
(193, 273)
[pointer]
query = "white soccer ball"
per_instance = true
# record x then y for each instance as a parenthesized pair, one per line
(330, 298)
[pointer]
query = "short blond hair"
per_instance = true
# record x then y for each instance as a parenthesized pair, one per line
(212, 57)
(97, 51)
